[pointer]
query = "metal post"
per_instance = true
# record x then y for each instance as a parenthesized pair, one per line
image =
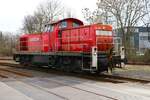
(94, 57)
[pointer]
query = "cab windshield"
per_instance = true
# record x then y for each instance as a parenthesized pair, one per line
(63, 25)
(49, 28)
(75, 24)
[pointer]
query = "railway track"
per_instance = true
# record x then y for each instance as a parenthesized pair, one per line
(3, 76)
(10, 72)
(12, 68)
(62, 97)
(5, 73)
(6, 58)
(73, 87)
(101, 77)
(80, 89)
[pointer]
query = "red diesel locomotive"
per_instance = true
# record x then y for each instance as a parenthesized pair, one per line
(69, 45)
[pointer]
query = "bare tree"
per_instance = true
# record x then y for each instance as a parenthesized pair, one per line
(28, 24)
(146, 19)
(46, 12)
(127, 14)
(51, 10)
(8, 43)
(92, 16)
(96, 16)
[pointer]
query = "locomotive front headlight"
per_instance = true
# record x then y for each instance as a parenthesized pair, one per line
(95, 53)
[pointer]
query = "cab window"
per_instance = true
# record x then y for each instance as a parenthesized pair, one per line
(63, 24)
(49, 28)
(75, 24)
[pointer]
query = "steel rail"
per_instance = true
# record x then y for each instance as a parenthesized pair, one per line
(96, 77)
(16, 72)
(62, 97)
(3, 76)
(98, 94)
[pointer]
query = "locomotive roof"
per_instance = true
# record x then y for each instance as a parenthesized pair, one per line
(66, 19)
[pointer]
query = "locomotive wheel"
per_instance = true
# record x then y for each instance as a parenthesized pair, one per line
(66, 64)
(71, 64)
(76, 65)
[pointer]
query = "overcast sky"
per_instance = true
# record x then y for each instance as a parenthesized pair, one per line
(12, 12)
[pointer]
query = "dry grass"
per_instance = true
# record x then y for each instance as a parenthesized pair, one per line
(134, 68)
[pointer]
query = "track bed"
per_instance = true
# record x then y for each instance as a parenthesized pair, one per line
(45, 83)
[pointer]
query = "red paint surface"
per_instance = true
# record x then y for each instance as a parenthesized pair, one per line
(72, 39)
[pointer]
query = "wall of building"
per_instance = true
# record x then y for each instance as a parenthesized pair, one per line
(140, 38)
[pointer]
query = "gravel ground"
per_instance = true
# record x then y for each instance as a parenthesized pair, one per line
(47, 86)
(135, 71)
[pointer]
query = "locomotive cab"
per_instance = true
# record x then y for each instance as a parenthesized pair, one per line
(53, 30)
